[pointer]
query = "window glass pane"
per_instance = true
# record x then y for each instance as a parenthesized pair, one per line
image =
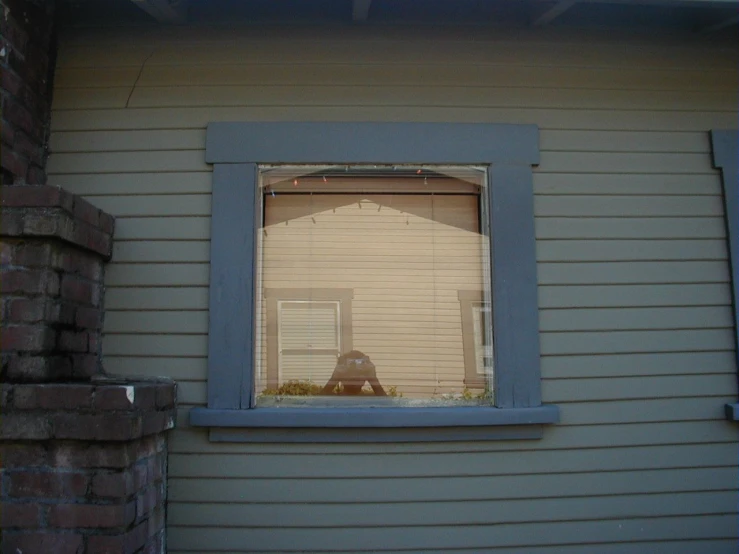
(360, 275)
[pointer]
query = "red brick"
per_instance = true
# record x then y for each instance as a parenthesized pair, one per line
(38, 368)
(70, 341)
(25, 426)
(41, 543)
(165, 395)
(107, 223)
(11, 222)
(71, 516)
(65, 312)
(18, 455)
(114, 397)
(158, 468)
(7, 391)
(109, 427)
(36, 176)
(53, 396)
(155, 523)
(93, 239)
(94, 343)
(7, 251)
(7, 133)
(85, 365)
(145, 396)
(43, 225)
(118, 544)
(14, 163)
(117, 484)
(146, 447)
(89, 318)
(86, 212)
(29, 338)
(76, 261)
(25, 310)
(156, 422)
(47, 484)
(33, 254)
(101, 243)
(17, 114)
(11, 82)
(146, 501)
(14, 34)
(20, 515)
(29, 281)
(33, 196)
(29, 149)
(80, 455)
(77, 290)
(153, 545)
(140, 475)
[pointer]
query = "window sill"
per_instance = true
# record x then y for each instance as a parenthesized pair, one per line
(732, 412)
(373, 424)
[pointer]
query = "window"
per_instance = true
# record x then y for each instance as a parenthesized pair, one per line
(403, 240)
(274, 319)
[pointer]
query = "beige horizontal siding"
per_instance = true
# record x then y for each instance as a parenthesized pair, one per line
(445, 537)
(177, 182)
(398, 74)
(546, 118)
(635, 303)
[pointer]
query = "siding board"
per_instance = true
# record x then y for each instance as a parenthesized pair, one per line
(553, 140)
(567, 436)
(386, 95)
(469, 512)
(388, 52)
(546, 118)
(441, 465)
(719, 546)
(371, 539)
(398, 74)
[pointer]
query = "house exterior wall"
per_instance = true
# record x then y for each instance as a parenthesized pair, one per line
(634, 292)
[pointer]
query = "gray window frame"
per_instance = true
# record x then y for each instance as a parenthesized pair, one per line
(725, 147)
(508, 151)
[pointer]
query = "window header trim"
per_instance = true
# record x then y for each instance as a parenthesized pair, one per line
(381, 143)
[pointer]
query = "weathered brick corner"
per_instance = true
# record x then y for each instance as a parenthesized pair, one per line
(54, 246)
(84, 466)
(83, 454)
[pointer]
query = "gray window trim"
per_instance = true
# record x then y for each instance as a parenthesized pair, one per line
(725, 145)
(509, 152)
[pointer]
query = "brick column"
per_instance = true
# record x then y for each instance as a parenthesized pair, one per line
(54, 245)
(83, 454)
(27, 55)
(84, 467)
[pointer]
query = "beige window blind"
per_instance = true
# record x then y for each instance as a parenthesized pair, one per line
(405, 248)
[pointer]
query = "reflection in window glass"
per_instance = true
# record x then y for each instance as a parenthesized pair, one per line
(359, 279)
